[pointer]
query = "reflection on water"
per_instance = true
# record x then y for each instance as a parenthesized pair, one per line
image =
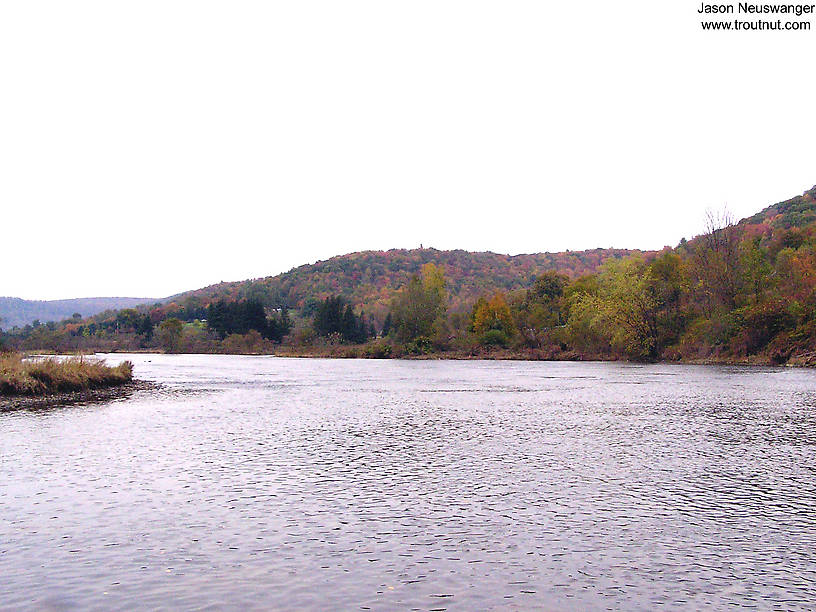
(265, 483)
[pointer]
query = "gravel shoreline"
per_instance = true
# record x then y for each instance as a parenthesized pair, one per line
(87, 396)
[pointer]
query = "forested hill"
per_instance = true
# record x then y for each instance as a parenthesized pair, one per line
(741, 292)
(796, 212)
(19, 312)
(370, 278)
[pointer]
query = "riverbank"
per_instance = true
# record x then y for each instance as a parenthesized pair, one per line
(807, 360)
(68, 398)
(380, 350)
(49, 376)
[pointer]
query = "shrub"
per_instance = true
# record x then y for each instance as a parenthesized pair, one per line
(494, 337)
(761, 323)
(379, 349)
(420, 346)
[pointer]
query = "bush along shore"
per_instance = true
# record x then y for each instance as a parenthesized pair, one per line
(47, 376)
(384, 349)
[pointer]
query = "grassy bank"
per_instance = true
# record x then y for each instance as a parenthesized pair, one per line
(20, 376)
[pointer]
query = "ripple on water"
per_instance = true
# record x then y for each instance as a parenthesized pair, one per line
(258, 483)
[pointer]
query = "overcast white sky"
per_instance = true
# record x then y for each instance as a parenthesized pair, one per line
(147, 148)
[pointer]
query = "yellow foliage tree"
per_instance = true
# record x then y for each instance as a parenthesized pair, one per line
(492, 314)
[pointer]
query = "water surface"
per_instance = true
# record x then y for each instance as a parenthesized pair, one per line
(306, 484)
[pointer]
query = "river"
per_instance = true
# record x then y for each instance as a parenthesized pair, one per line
(307, 484)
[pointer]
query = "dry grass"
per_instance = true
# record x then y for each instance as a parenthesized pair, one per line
(50, 375)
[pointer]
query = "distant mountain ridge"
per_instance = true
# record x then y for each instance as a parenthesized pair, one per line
(17, 312)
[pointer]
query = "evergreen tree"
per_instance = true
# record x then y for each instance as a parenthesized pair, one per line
(335, 316)
(145, 328)
(285, 322)
(349, 330)
(227, 318)
(362, 333)
(329, 316)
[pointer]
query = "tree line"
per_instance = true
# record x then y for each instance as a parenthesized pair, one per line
(737, 291)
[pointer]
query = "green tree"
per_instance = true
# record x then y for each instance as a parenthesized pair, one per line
(145, 328)
(170, 334)
(666, 280)
(624, 312)
(549, 286)
(328, 318)
(756, 269)
(420, 305)
(126, 319)
(350, 329)
(540, 309)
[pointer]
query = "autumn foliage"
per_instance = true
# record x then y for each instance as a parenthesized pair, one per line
(742, 292)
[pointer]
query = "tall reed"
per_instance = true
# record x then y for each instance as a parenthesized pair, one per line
(20, 376)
